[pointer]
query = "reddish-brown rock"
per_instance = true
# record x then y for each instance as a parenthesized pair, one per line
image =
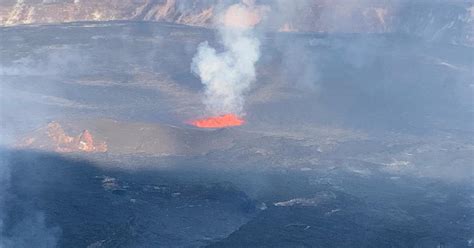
(53, 137)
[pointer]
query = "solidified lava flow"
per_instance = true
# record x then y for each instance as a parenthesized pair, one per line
(227, 120)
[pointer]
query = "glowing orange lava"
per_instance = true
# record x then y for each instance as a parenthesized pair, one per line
(227, 120)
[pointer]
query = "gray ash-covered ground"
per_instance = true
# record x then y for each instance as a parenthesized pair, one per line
(116, 209)
(351, 141)
(87, 206)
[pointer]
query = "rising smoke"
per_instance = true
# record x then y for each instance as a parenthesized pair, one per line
(227, 75)
(31, 228)
(4, 183)
(28, 226)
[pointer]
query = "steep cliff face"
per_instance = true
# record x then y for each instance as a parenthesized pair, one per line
(440, 20)
(447, 21)
(57, 11)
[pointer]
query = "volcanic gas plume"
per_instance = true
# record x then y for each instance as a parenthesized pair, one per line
(228, 120)
(227, 75)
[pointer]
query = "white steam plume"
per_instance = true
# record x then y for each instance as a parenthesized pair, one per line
(227, 75)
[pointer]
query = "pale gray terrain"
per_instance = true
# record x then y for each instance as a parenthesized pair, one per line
(351, 140)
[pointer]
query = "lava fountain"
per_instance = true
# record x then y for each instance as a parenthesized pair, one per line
(221, 121)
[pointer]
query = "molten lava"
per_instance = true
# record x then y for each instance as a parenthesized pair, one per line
(227, 120)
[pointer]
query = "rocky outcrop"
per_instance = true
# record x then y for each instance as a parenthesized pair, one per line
(126, 138)
(54, 138)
